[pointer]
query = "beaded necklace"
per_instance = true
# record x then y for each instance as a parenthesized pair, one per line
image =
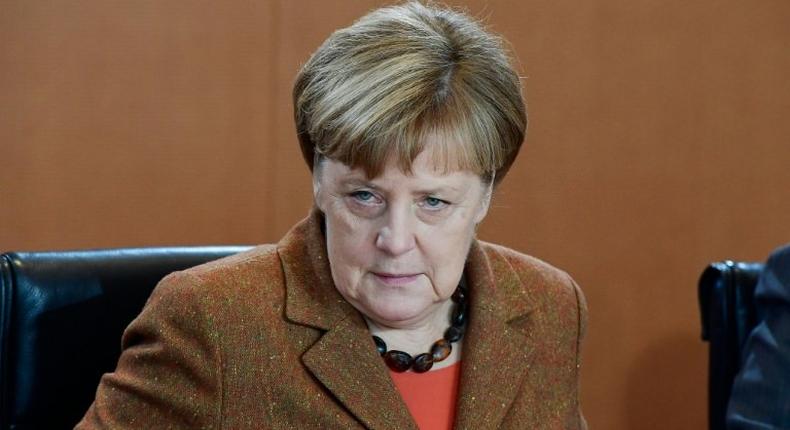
(400, 361)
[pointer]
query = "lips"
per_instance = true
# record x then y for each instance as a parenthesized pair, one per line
(396, 279)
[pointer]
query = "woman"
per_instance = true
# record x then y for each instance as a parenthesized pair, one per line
(381, 309)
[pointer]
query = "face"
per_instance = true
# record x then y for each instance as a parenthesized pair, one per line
(397, 243)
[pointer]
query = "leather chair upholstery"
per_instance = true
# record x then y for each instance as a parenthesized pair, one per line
(726, 300)
(61, 319)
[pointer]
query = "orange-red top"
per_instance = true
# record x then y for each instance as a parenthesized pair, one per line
(430, 396)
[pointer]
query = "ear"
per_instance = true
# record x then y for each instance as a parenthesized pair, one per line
(317, 188)
(485, 203)
(318, 178)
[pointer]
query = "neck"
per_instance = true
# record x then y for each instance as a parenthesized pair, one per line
(415, 339)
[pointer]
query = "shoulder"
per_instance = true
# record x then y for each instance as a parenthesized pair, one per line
(521, 280)
(772, 294)
(505, 259)
(259, 263)
(248, 278)
(533, 275)
(779, 262)
(775, 280)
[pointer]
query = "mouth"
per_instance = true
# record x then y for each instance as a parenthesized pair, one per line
(395, 279)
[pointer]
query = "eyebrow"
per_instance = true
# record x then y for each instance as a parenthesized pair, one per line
(439, 190)
(355, 181)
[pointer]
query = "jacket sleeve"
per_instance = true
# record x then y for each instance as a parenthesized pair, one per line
(581, 303)
(168, 375)
(761, 390)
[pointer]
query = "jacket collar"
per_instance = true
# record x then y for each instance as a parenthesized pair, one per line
(311, 297)
(496, 349)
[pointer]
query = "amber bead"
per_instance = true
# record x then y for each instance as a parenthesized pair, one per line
(398, 361)
(459, 295)
(422, 363)
(453, 334)
(459, 315)
(381, 347)
(440, 350)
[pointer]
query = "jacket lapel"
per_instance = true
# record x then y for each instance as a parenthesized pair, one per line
(497, 352)
(346, 362)
(344, 359)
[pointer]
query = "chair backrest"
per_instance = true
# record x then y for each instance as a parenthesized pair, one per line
(726, 300)
(61, 319)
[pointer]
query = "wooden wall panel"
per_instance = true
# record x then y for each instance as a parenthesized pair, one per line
(658, 142)
(133, 123)
(656, 145)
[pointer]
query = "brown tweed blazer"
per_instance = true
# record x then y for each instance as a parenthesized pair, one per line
(262, 340)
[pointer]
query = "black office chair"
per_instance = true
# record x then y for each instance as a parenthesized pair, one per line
(61, 319)
(726, 300)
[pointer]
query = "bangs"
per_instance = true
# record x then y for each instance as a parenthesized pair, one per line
(457, 135)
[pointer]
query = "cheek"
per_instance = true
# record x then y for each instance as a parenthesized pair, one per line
(447, 249)
(348, 248)
(347, 234)
(351, 250)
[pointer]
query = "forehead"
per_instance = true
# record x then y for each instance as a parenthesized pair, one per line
(442, 146)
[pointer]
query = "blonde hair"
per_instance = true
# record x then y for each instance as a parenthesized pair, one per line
(401, 75)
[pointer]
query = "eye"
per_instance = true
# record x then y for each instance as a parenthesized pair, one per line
(364, 197)
(434, 204)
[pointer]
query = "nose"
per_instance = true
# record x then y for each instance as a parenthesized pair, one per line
(396, 236)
